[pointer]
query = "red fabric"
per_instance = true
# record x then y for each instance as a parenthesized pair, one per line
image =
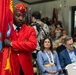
(21, 7)
(23, 43)
(54, 16)
(1, 56)
(2, 11)
(6, 18)
(5, 56)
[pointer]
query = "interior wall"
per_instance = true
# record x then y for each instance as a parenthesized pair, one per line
(67, 14)
(46, 9)
(16, 2)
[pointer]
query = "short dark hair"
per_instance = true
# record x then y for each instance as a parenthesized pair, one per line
(36, 14)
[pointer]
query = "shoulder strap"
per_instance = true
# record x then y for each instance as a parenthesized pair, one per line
(42, 24)
(37, 25)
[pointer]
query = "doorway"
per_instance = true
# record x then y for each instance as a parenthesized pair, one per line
(73, 20)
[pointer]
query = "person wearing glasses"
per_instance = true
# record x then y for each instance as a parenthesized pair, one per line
(68, 55)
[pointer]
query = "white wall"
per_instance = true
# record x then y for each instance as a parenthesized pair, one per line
(45, 8)
(16, 2)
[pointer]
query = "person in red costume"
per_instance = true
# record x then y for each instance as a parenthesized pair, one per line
(23, 42)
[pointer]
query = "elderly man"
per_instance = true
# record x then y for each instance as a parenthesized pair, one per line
(22, 43)
(68, 55)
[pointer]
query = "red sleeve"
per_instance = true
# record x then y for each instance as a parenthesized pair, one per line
(27, 45)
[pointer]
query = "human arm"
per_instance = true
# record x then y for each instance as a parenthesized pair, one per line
(58, 63)
(26, 42)
(41, 61)
(51, 71)
(61, 59)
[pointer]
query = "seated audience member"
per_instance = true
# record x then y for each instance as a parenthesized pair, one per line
(68, 55)
(56, 43)
(47, 59)
(58, 33)
(52, 28)
(52, 36)
(64, 33)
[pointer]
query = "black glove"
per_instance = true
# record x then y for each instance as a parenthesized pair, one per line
(7, 43)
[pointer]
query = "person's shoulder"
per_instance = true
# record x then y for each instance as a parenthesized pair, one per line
(45, 25)
(63, 52)
(75, 49)
(29, 27)
(34, 24)
(40, 52)
(54, 52)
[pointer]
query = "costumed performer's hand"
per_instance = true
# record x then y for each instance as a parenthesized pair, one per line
(7, 43)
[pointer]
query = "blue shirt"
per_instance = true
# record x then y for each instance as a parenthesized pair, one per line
(42, 59)
(72, 55)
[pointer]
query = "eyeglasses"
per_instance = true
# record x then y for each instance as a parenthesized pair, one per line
(70, 44)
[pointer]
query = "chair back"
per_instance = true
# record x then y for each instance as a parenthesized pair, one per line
(71, 69)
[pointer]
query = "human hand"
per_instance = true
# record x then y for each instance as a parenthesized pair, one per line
(7, 43)
(52, 64)
(51, 71)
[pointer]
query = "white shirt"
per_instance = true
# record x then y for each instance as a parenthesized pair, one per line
(14, 26)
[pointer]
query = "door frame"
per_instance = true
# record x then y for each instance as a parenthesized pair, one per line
(73, 9)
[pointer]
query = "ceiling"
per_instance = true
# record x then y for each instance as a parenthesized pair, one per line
(35, 1)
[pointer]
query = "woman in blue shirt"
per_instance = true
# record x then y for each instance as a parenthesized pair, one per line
(47, 59)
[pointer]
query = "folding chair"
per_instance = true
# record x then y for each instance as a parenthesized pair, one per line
(71, 69)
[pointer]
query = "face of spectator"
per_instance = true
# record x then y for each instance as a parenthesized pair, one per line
(64, 32)
(62, 39)
(69, 44)
(19, 18)
(53, 35)
(33, 19)
(47, 44)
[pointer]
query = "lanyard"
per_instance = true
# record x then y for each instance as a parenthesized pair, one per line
(52, 57)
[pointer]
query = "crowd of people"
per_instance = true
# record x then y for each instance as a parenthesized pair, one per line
(56, 49)
(43, 42)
